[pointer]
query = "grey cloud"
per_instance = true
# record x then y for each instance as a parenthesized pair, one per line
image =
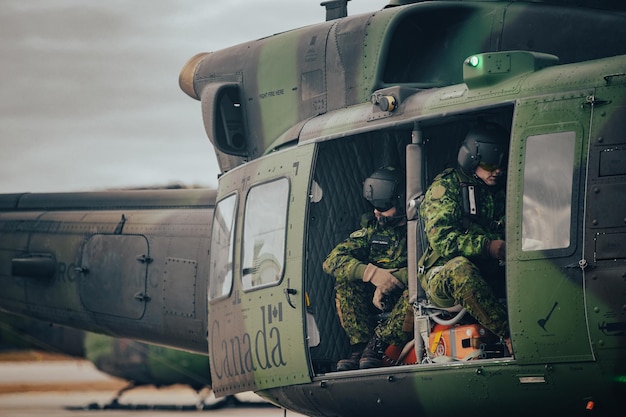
(90, 96)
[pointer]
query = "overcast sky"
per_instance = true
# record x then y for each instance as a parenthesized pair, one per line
(89, 96)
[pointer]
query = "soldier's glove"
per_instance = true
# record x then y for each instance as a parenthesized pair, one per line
(496, 249)
(377, 300)
(383, 279)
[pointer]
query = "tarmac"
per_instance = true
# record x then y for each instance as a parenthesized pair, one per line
(34, 384)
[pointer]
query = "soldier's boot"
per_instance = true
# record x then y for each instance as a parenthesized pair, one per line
(352, 362)
(372, 356)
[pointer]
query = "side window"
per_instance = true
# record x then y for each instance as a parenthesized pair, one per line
(264, 231)
(222, 248)
(548, 186)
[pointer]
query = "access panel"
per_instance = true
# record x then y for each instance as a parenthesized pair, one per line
(113, 274)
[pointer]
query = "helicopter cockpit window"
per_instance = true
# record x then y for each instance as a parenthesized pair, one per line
(547, 199)
(222, 248)
(264, 230)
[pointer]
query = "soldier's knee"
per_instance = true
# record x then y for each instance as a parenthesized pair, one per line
(462, 272)
(461, 267)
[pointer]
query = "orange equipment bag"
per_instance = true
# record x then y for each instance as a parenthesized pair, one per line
(459, 342)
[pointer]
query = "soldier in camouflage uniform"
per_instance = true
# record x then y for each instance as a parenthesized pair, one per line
(370, 268)
(463, 213)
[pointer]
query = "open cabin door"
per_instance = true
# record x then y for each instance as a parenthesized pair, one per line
(544, 241)
(256, 298)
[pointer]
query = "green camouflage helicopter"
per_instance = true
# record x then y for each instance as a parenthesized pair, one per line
(298, 120)
(138, 363)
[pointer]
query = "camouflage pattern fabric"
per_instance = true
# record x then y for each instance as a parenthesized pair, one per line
(384, 247)
(458, 262)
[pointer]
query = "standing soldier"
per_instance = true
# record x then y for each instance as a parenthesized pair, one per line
(370, 268)
(463, 213)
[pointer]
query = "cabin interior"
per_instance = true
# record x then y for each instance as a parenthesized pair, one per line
(341, 167)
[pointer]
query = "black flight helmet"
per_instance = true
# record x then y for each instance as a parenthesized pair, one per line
(384, 189)
(486, 145)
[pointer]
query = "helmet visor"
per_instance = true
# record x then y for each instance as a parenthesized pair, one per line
(380, 193)
(488, 167)
(492, 155)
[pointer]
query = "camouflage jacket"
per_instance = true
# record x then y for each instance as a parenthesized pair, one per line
(384, 247)
(451, 231)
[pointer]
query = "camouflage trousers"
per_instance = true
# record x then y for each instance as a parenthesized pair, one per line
(459, 281)
(361, 320)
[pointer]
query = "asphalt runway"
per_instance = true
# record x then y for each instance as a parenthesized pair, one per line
(75, 388)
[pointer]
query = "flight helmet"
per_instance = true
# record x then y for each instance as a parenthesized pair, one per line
(485, 144)
(384, 189)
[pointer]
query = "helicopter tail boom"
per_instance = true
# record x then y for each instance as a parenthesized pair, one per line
(126, 263)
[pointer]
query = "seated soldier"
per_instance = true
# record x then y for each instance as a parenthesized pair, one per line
(463, 212)
(370, 268)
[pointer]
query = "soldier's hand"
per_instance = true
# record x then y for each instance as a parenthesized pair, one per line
(383, 279)
(377, 300)
(497, 249)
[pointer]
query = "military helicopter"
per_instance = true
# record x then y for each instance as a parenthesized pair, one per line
(298, 120)
(138, 363)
